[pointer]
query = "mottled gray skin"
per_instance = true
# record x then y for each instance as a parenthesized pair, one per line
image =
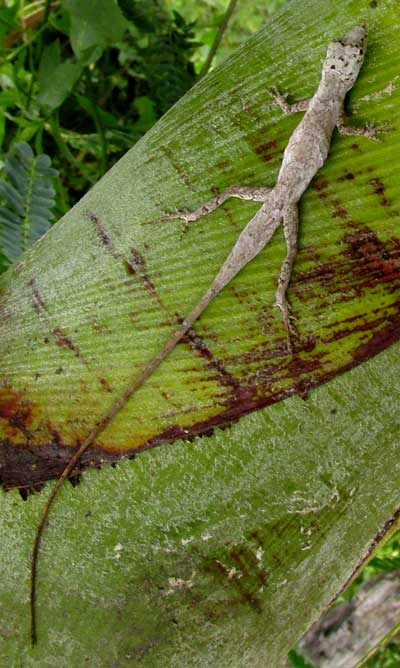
(304, 155)
(308, 146)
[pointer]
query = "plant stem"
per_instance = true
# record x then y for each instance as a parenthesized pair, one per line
(222, 27)
(44, 22)
(98, 124)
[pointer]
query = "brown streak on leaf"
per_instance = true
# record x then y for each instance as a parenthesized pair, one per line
(379, 340)
(38, 302)
(375, 260)
(102, 233)
(365, 263)
(339, 210)
(64, 341)
(129, 268)
(200, 346)
(137, 265)
(264, 150)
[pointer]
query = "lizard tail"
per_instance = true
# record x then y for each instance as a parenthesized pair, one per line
(134, 385)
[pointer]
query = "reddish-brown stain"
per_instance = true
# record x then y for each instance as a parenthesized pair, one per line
(378, 341)
(264, 150)
(16, 411)
(54, 433)
(9, 401)
(376, 262)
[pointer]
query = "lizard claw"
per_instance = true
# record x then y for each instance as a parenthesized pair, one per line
(275, 92)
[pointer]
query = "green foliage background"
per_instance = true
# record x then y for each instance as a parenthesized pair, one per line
(82, 82)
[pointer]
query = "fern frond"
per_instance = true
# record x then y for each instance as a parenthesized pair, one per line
(27, 197)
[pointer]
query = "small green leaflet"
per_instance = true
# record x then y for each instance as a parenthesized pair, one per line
(26, 199)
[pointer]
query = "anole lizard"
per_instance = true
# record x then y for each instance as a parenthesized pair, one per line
(305, 153)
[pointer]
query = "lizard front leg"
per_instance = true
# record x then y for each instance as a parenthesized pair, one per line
(242, 192)
(290, 227)
(286, 107)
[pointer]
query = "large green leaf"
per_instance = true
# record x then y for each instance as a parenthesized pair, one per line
(56, 78)
(99, 295)
(95, 24)
(223, 550)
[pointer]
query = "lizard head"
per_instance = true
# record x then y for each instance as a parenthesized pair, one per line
(345, 57)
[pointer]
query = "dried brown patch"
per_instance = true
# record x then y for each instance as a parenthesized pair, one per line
(16, 412)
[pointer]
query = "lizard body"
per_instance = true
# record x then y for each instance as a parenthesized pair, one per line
(305, 153)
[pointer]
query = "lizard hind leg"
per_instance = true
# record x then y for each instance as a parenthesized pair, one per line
(290, 227)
